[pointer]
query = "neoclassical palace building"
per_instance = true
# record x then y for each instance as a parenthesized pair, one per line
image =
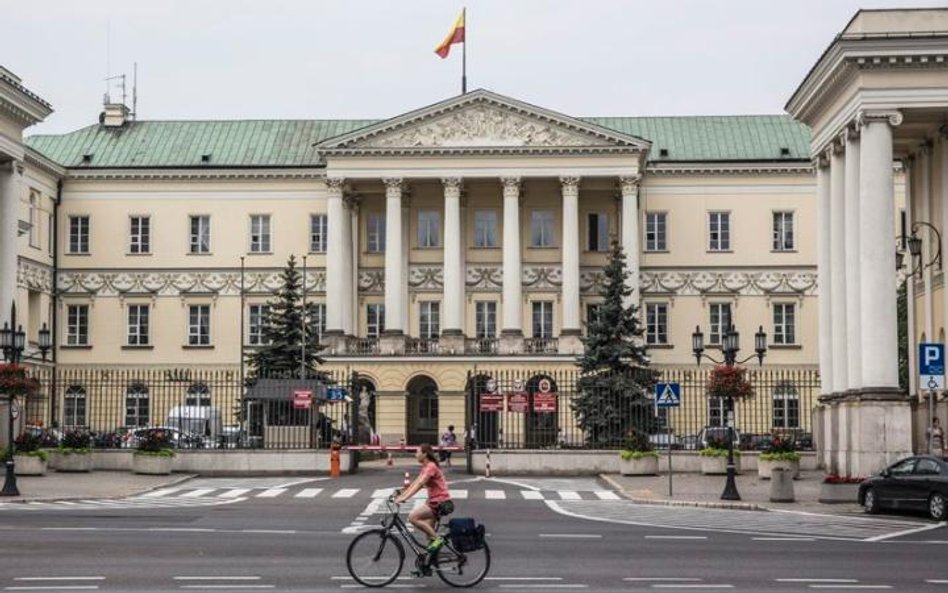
(468, 236)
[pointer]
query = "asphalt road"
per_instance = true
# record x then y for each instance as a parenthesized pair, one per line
(291, 535)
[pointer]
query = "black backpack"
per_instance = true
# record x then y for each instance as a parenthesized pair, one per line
(466, 535)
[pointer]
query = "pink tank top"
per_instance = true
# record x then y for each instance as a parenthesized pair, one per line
(437, 486)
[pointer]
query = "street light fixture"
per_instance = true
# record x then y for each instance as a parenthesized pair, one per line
(913, 243)
(730, 346)
(13, 343)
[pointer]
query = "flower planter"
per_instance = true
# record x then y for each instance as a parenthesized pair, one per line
(153, 465)
(29, 465)
(716, 466)
(765, 466)
(643, 466)
(839, 493)
(71, 462)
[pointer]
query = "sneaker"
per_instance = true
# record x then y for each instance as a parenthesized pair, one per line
(435, 545)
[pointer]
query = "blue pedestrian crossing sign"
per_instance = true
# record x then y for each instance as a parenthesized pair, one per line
(931, 365)
(667, 395)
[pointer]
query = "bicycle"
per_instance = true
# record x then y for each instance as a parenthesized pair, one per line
(375, 558)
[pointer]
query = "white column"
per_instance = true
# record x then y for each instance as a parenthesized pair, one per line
(853, 345)
(394, 264)
(352, 326)
(406, 252)
(631, 244)
(880, 367)
(9, 203)
(346, 296)
(452, 320)
(570, 257)
(824, 269)
(337, 268)
(925, 214)
(512, 286)
(943, 198)
(838, 267)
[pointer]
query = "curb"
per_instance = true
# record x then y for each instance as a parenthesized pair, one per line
(175, 481)
(741, 506)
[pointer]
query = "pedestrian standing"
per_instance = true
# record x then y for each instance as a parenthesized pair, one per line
(936, 436)
(448, 439)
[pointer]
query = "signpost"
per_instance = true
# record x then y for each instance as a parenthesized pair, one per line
(931, 371)
(668, 395)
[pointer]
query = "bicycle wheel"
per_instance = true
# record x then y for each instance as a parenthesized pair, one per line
(462, 569)
(375, 558)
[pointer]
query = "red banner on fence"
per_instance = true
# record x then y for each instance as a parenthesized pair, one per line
(302, 399)
(544, 402)
(492, 402)
(517, 401)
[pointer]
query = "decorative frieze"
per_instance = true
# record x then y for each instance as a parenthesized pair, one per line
(179, 283)
(741, 283)
(34, 276)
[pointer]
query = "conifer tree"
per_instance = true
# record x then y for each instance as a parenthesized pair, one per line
(613, 392)
(281, 355)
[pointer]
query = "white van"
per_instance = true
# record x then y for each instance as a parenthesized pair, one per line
(200, 421)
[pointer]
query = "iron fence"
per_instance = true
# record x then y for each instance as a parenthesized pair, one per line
(527, 410)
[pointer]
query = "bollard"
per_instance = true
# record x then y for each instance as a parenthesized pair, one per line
(487, 472)
(334, 460)
(781, 485)
(389, 461)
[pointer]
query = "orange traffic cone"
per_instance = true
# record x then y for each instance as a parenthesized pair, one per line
(389, 461)
(407, 481)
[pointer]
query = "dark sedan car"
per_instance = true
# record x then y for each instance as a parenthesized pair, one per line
(914, 483)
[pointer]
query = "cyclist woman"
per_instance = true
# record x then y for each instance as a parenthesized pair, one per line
(439, 499)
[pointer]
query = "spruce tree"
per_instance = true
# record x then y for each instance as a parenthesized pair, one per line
(613, 391)
(281, 354)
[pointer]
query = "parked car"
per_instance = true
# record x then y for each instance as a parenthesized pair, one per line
(756, 442)
(689, 442)
(179, 440)
(915, 483)
(661, 440)
(717, 434)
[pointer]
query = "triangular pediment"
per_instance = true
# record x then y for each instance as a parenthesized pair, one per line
(482, 122)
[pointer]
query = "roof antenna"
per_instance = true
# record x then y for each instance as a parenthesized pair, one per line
(135, 90)
(108, 60)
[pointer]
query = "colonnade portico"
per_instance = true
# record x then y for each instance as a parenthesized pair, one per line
(10, 174)
(342, 266)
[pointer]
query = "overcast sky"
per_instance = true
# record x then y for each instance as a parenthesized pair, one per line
(298, 59)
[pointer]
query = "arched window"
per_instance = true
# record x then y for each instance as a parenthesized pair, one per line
(199, 394)
(786, 406)
(136, 405)
(74, 406)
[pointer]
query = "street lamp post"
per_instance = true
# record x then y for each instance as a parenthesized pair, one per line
(13, 343)
(730, 347)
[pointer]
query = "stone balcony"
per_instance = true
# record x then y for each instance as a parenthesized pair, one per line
(457, 345)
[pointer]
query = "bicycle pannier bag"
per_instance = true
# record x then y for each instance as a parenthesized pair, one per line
(465, 534)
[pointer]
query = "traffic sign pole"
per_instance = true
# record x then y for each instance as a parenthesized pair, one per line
(931, 370)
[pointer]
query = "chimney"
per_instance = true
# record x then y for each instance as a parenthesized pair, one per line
(114, 116)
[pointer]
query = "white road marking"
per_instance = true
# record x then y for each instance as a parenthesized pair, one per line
(346, 493)
(495, 494)
(937, 581)
(850, 586)
(271, 493)
(531, 495)
(880, 538)
(159, 493)
(197, 493)
(676, 537)
(607, 495)
(523, 578)
(666, 579)
(783, 539)
(458, 494)
(573, 535)
(803, 580)
(308, 493)
(693, 586)
(234, 493)
(59, 579)
(227, 586)
(223, 578)
(383, 493)
(542, 586)
(569, 495)
(52, 588)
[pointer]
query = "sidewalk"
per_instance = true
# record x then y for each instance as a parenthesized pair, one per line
(695, 489)
(98, 484)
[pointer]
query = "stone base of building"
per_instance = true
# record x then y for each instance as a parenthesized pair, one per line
(511, 342)
(861, 432)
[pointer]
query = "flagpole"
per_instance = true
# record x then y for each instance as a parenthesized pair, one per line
(464, 53)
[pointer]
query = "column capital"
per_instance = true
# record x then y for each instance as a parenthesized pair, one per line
(820, 161)
(850, 133)
(629, 183)
(892, 117)
(393, 185)
(570, 185)
(352, 201)
(335, 185)
(511, 186)
(452, 186)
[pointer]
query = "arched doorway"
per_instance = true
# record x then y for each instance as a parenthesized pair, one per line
(542, 424)
(422, 411)
(486, 424)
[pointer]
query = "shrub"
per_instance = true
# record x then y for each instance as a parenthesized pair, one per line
(636, 440)
(716, 452)
(728, 381)
(155, 442)
(76, 441)
(627, 454)
(838, 479)
(780, 449)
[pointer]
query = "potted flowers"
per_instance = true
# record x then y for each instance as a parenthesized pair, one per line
(29, 456)
(714, 457)
(74, 453)
(154, 453)
(728, 381)
(637, 457)
(16, 382)
(840, 489)
(781, 452)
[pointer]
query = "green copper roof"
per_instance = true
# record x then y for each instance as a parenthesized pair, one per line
(289, 143)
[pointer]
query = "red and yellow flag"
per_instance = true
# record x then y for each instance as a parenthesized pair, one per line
(455, 36)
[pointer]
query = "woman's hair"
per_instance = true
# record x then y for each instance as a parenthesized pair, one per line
(429, 453)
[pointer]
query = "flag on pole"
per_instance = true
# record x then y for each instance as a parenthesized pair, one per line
(455, 36)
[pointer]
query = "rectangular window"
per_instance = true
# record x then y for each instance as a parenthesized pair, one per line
(199, 325)
(375, 234)
(200, 234)
(34, 219)
(656, 323)
(375, 320)
(429, 228)
(136, 405)
(783, 231)
(719, 231)
(259, 316)
(77, 325)
(74, 406)
(138, 325)
(318, 320)
(485, 319)
(784, 323)
(542, 319)
(597, 232)
(485, 228)
(51, 235)
(318, 233)
(79, 234)
(720, 322)
(786, 406)
(717, 411)
(260, 233)
(655, 231)
(541, 228)
(139, 234)
(429, 319)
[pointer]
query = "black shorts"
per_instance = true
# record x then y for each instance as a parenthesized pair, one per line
(441, 509)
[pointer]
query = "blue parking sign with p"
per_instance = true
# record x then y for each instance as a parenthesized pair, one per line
(931, 365)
